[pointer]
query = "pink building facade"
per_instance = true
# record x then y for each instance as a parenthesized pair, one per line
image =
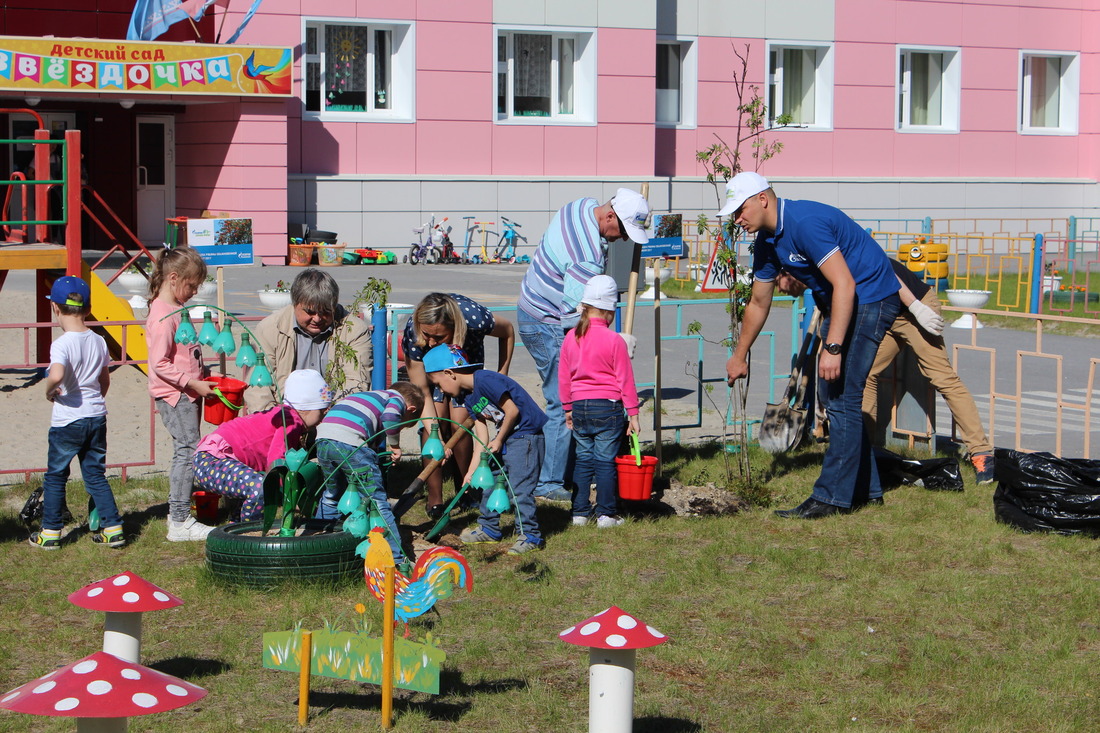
(895, 109)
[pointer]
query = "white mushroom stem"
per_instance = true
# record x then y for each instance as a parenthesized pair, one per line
(610, 690)
(122, 635)
(102, 725)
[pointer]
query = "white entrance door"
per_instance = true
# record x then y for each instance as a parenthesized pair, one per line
(156, 177)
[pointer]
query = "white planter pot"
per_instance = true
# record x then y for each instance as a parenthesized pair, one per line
(206, 291)
(273, 300)
(1051, 282)
(968, 299)
(133, 282)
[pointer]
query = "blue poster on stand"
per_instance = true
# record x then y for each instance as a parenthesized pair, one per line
(221, 242)
(667, 239)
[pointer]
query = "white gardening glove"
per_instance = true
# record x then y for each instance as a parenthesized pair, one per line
(927, 318)
(631, 343)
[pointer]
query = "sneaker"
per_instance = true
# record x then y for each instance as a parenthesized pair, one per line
(109, 540)
(581, 519)
(608, 521)
(188, 530)
(983, 467)
(523, 546)
(557, 494)
(476, 536)
(37, 540)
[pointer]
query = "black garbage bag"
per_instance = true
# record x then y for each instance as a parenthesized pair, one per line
(937, 474)
(1040, 492)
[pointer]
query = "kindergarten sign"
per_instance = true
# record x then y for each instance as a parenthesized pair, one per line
(134, 67)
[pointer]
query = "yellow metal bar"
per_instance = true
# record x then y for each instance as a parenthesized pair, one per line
(303, 678)
(387, 651)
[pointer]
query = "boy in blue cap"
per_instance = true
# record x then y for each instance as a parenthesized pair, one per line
(76, 383)
(490, 396)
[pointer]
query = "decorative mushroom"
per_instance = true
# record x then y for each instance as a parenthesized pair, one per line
(101, 691)
(124, 597)
(612, 637)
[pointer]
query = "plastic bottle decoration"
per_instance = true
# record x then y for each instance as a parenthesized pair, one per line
(246, 355)
(433, 446)
(208, 334)
(261, 375)
(356, 524)
(483, 476)
(498, 500)
(350, 501)
(225, 343)
(185, 332)
(376, 518)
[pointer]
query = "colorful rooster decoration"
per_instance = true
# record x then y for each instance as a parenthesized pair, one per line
(434, 576)
(268, 78)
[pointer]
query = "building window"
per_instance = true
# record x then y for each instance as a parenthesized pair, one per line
(546, 77)
(676, 83)
(1049, 88)
(800, 86)
(928, 90)
(364, 70)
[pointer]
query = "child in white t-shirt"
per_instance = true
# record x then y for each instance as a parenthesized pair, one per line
(77, 381)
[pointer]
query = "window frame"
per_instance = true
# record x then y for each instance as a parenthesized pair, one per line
(402, 70)
(824, 82)
(689, 82)
(584, 77)
(1069, 91)
(950, 98)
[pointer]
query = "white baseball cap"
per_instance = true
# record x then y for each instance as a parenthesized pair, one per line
(740, 188)
(632, 210)
(601, 292)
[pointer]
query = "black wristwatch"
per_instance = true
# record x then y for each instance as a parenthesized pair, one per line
(833, 349)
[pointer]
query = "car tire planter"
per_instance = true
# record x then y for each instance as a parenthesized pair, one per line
(328, 556)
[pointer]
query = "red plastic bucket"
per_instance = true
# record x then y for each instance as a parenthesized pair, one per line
(635, 482)
(205, 506)
(223, 407)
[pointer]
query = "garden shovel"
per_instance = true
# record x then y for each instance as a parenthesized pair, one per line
(407, 499)
(784, 423)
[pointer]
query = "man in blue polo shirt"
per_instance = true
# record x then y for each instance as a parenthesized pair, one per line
(857, 292)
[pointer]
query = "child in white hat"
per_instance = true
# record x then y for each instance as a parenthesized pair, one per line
(233, 460)
(596, 384)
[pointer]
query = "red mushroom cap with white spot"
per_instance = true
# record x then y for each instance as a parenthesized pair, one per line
(613, 629)
(125, 592)
(102, 686)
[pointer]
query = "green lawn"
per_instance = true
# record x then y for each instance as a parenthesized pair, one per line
(921, 615)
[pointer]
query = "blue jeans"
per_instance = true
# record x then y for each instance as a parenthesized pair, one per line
(87, 439)
(342, 463)
(598, 428)
(521, 465)
(848, 473)
(543, 342)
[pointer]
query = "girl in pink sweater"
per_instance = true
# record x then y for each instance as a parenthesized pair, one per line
(596, 381)
(177, 380)
(232, 460)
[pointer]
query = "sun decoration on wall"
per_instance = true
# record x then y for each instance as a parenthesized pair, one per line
(346, 47)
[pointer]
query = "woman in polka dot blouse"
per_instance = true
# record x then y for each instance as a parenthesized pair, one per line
(442, 318)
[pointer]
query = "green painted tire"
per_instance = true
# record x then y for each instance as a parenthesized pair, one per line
(328, 556)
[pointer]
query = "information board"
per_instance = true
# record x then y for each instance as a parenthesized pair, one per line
(221, 242)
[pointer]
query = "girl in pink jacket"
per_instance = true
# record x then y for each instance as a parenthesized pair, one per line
(596, 382)
(233, 460)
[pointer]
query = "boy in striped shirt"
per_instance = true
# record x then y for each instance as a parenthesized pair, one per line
(346, 447)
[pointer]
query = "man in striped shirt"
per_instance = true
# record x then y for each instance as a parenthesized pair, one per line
(572, 251)
(346, 455)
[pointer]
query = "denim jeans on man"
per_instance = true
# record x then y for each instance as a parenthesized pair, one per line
(523, 455)
(86, 439)
(339, 462)
(598, 428)
(848, 473)
(543, 342)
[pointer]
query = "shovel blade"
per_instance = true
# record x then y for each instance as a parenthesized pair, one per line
(782, 428)
(407, 499)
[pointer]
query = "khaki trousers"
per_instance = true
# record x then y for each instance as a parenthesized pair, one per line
(936, 367)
